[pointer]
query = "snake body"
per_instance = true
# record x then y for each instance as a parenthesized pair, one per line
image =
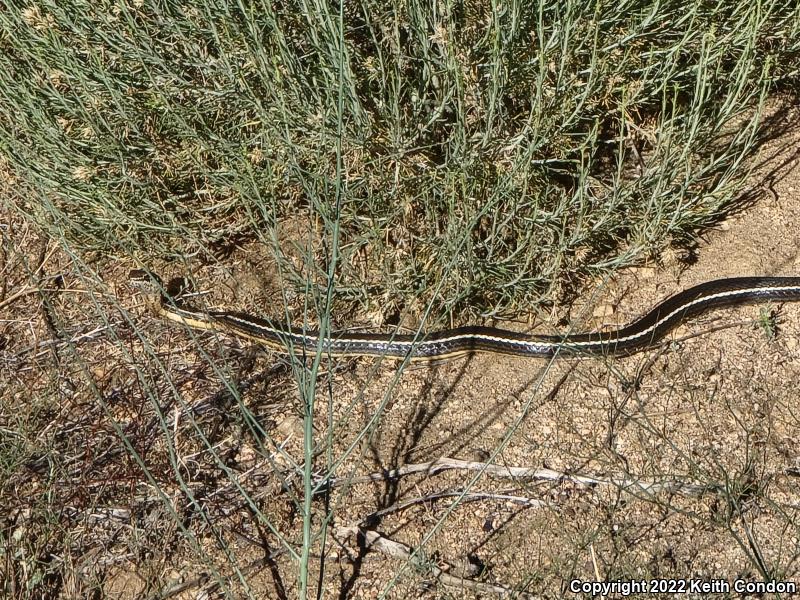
(641, 334)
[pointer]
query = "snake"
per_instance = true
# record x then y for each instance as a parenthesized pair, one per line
(640, 335)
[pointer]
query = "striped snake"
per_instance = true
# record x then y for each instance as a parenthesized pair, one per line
(642, 334)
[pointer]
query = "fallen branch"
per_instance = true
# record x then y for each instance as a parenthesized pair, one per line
(528, 473)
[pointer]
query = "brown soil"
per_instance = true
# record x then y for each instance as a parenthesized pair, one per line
(713, 418)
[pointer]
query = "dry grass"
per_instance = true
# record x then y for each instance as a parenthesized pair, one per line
(366, 168)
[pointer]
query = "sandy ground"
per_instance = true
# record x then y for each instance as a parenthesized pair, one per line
(680, 462)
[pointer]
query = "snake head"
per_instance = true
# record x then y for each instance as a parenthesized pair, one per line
(150, 285)
(158, 294)
(141, 277)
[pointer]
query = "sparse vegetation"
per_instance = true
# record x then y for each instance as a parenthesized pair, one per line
(442, 163)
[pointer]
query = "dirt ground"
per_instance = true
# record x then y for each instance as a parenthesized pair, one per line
(136, 470)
